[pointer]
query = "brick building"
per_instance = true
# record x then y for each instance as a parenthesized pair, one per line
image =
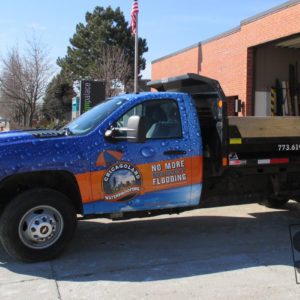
(246, 60)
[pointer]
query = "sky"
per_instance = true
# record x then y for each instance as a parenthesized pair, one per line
(167, 25)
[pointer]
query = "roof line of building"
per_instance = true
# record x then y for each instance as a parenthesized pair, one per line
(270, 11)
(233, 30)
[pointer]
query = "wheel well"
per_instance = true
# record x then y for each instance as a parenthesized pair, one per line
(61, 181)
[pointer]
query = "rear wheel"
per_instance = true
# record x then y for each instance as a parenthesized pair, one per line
(37, 225)
(275, 201)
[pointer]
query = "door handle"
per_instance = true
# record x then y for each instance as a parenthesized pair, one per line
(175, 152)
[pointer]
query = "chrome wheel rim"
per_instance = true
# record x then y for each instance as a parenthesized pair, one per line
(41, 227)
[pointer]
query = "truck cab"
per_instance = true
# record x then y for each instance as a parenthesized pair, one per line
(129, 174)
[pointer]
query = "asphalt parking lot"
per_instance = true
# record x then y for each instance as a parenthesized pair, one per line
(233, 252)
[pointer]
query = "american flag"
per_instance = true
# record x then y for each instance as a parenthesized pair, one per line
(134, 11)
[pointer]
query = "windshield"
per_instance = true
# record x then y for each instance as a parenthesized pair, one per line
(93, 117)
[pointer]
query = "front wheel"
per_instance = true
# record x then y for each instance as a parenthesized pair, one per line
(37, 225)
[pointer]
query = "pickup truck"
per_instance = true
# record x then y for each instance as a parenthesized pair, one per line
(140, 155)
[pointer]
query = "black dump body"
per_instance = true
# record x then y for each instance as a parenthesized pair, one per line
(190, 83)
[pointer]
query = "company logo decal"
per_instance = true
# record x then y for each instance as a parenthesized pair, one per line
(108, 157)
(121, 182)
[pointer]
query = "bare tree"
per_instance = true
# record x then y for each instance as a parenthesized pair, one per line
(12, 110)
(23, 80)
(113, 68)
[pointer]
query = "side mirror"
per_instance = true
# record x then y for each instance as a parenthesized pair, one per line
(136, 129)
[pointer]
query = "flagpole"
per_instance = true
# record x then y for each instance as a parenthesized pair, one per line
(136, 58)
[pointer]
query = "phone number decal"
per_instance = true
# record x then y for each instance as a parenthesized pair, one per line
(289, 147)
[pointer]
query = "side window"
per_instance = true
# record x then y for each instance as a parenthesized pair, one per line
(162, 118)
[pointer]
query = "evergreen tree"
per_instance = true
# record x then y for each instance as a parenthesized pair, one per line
(104, 27)
(58, 98)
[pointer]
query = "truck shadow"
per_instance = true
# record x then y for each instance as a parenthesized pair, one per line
(168, 247)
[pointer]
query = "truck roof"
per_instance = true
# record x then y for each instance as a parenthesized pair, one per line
(149, 94)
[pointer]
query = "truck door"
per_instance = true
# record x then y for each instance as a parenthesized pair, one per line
(155, 174)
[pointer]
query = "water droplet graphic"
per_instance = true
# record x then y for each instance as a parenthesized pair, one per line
(147, 152)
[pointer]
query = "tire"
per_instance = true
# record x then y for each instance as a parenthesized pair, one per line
(275, 201)
(37, 225)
